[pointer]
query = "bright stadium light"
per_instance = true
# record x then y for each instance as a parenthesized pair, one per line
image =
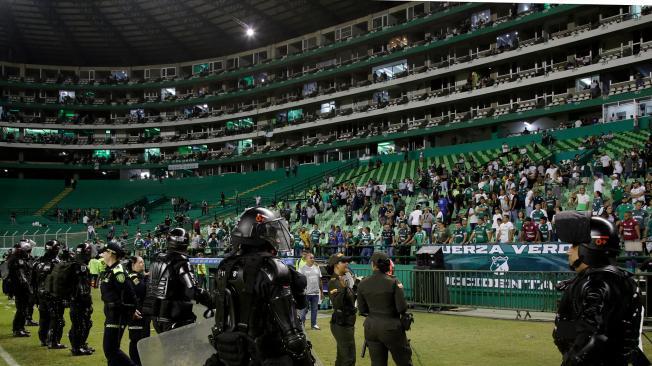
(249, 30)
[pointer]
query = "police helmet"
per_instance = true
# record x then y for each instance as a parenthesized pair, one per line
(178, 240)
(52, 247)
(259, 227)
(596, 237)
(84, 252)
(25, 246)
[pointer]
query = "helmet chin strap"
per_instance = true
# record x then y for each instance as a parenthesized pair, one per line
(576, 264)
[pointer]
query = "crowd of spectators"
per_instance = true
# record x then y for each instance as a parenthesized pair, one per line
(495, 203)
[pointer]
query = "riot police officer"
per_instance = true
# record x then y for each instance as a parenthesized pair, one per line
(344, 312)
(381, 300)
(48, 328)
(81, 302)
(599, 317)
(138, 328)
(20, 285)
(257, 296)
(173, 286)
(31, 300)
(119, 304)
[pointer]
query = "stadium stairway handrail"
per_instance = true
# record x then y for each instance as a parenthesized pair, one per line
(296, 191)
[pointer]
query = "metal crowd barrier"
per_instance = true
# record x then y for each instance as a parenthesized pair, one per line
(527, 291)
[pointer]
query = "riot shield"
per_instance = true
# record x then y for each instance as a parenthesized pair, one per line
(4, 270)
(187, 345)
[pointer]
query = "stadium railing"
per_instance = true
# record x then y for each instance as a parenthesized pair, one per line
(40, 236)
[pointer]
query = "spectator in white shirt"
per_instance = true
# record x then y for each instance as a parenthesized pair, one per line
(313, 290)
(505, 231)
(605, 160)
(414, 219)
(582, 200)
(637, 192)
(598, 184)
(551, 173)
(90, 232)
(618, 167)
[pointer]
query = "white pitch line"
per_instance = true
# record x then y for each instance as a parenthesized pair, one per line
(7, 357)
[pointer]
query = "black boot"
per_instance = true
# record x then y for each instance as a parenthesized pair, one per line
(86, 346)
(57, 346)
(21, 333)
(81, 352)
(31, 323)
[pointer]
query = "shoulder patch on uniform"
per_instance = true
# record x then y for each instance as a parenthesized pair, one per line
(120, 277)
(118, 269)
(135, 280)
(333, 291)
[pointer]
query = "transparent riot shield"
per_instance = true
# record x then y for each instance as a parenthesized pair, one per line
(184, 346)
(187, 345)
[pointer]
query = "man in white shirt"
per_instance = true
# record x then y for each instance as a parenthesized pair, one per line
(598, 184)
(313, 290)
(605, 160)
(637, 192)
(528, 202)
(615, 182)
(582, 200)
(414, 219)
(551, 173)
(505, 230)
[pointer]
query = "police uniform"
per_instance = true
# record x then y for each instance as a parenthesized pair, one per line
(42, 269)
(20, 279)
(32, 299)
(600, 314)
(119, 307)
(343, 319)
(138, 328)
(81, 302)
(257, 297)
(381, 300)
(173, 286)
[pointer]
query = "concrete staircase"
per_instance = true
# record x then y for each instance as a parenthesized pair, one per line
(53, 202)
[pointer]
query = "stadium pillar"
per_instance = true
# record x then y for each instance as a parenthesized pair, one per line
(21, 156)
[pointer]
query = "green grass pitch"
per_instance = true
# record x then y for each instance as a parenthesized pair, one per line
(442, 340)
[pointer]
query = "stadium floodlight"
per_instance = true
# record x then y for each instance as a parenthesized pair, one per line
(249, 30)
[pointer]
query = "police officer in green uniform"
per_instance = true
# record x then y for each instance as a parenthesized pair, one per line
(343, 319)
(381, 300)
(119, 304)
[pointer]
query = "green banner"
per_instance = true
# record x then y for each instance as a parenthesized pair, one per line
(540, 257)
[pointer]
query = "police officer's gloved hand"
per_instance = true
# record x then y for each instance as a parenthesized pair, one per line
(296, 345)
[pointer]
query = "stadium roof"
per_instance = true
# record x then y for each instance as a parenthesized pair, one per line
(141, 32)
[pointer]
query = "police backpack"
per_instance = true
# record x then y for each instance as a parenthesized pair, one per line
(59, 282)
